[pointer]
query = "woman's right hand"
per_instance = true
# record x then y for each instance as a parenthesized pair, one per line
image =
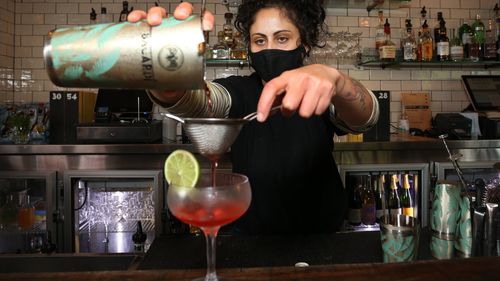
(155, 15)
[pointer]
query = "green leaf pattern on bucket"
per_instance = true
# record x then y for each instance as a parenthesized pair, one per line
(463, 242)
(445, 209)
(397, 248)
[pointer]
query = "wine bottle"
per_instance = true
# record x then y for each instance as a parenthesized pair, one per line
(368, 209)
(406, 199)
(437, 28)
(456, 47)
(355, 204)
(394, 201)
(380, 199)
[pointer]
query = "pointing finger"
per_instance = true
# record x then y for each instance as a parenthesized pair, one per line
(272, 89)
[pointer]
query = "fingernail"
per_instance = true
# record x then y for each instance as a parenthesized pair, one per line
(185, 13)
(260, 117)
(155, 18)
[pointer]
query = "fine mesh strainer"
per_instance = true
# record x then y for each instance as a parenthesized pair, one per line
(212, 137)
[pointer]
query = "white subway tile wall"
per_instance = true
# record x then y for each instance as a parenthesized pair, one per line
(7, 19)
(24, 25)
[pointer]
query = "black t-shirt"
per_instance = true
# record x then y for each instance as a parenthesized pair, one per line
(296, 187)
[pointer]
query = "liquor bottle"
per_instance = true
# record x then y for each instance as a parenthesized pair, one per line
(26, 213)
(490, 44)
(423, 14)
(426, 42)
(478, 39)
(103, 17)
(220, 50)
(456, 47)
(239, 50)
(465, 34)
(394, 202)
(368, 209)
(387, 52)
(443, 43)
(355, 205)
(379, 33)
(406, 199)
(208, 47)
(138, 238)
(124, 12)
(437, 27)
(409, 44)
(228, 30)
(93, 16)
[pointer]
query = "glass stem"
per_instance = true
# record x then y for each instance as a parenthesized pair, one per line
(210, 238)
(214, 169)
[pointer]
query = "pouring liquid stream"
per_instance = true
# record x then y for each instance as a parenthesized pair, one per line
(211, 114)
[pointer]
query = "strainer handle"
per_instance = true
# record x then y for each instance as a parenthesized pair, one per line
(253, 115)
(171, 116)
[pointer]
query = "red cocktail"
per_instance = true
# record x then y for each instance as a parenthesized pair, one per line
(210, 207)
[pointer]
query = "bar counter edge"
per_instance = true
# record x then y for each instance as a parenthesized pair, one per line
(485, 268)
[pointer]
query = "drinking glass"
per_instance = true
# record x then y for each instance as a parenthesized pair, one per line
(210, 207)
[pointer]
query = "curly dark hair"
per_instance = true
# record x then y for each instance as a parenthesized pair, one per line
(307, 15)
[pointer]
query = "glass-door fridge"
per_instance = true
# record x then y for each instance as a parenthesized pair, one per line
(114, 211)
(27, 206)
(373, 188)
(475, 174)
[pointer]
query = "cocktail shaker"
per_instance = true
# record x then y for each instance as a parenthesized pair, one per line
(445, 217)
(169, 56)
(490, 230)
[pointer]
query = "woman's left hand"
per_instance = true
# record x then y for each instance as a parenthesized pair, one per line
(308, 90)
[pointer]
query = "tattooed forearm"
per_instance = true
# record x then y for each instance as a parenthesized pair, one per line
(360, 92)
(358, 96)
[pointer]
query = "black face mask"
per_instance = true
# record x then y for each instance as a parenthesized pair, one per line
(271, 63)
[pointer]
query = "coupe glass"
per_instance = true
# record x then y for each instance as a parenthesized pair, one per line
(210, 207)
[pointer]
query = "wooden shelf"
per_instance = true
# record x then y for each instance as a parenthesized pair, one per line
(228, 62)
(457, 65)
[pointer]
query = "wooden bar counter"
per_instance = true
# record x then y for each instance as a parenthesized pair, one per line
(339, 256)
(475, 269)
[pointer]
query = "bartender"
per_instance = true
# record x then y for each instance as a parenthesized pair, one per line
(296, 187)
